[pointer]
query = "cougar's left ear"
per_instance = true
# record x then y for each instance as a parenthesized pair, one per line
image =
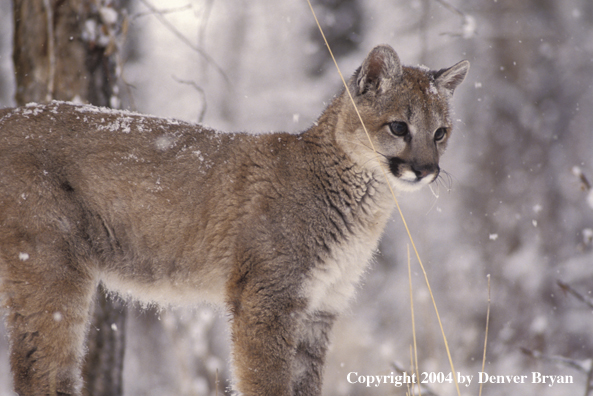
(449, 79)
(379, 71)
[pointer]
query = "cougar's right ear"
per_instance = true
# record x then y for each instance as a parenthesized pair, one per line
(449, 79)
(379, 71)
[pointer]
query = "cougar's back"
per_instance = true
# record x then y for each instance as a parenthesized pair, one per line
(119, 190)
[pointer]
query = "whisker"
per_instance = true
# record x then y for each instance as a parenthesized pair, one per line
(446, 179)
(436, 193)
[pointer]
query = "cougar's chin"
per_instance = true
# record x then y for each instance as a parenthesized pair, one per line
(409, 181)
(404, 185)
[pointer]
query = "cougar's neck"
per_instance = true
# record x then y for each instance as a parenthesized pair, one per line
(350, 184)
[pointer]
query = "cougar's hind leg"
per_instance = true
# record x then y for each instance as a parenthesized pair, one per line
(48, 298)
(47, 280)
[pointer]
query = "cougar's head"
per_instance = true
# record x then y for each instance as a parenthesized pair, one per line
(406, 114)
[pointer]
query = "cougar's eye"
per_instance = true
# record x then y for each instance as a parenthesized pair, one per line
(399, 128)
(440, 134)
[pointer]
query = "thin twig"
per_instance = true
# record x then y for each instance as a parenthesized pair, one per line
(486, 336)
(566, 288)
(415, 360)
(202, 93)
(163, 11)
(204, 24)
(451, 7)
(582, 366)
(216, 382)
(51, 52)
(468, 25)
(185, 40)
(411, 389)
(588, 388)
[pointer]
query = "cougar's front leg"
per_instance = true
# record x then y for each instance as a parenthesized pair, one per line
(266, 310)
(313, 339)
(48, 301)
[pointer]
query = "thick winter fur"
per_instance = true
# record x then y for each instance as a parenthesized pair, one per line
(277, 227)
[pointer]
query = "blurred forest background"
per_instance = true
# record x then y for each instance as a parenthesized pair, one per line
(516, 207)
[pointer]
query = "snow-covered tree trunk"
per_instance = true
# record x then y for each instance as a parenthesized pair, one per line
(66, 50)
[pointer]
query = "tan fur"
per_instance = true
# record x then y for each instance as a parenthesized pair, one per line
(277, 227)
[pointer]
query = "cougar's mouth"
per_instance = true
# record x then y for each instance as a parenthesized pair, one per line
(411, 174)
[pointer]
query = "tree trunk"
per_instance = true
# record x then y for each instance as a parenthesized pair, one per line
(65, 50)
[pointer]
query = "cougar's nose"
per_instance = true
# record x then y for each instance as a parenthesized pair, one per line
(422, 171)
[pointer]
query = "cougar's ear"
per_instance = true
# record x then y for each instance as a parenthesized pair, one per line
(449, 79)
(379, 71)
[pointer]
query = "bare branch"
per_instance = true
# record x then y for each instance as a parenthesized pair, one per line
(566, 288)
(468, 24)
(164, 11)
(451, 7)
(486, 334)
(581, 365)
(206, 18)
(51, 52)
(184, 39)
(202, 93)
(584, 366)
(589, 388)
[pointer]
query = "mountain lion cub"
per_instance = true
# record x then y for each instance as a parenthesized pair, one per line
(276, 227)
